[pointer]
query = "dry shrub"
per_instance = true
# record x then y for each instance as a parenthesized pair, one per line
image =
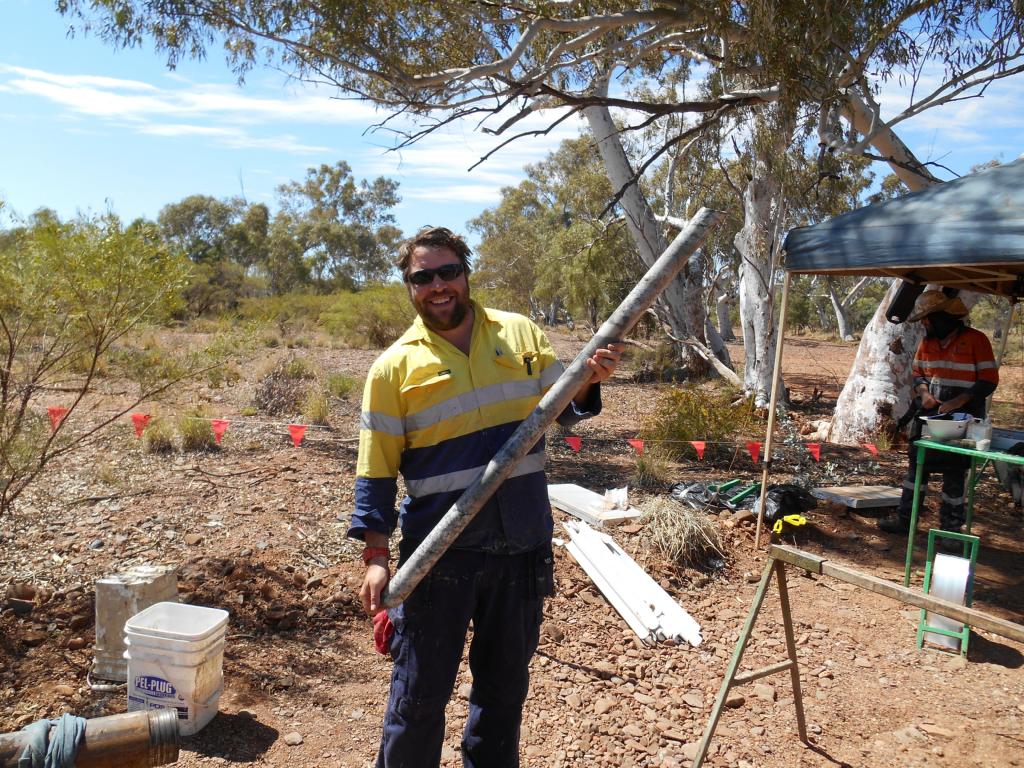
(652, 468)
(315, 408)
(158, 436)
(686, 413)
(683, 535)
(283, 391)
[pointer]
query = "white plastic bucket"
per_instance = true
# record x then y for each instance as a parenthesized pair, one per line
(177, 621)
(175, 659)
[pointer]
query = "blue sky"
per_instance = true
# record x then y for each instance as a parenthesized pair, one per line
(88, 127)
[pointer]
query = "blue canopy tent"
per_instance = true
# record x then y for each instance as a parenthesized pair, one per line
(966, 234)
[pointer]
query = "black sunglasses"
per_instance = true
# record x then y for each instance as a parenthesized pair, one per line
(446, 272)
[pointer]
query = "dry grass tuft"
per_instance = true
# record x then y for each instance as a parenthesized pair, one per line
(158, 437)
(683, 535)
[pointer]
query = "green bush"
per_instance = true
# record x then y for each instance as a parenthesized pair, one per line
(289, 313)
(697, 413)
(223, 375)
(196, 432)
(371, 318)
(340, 385)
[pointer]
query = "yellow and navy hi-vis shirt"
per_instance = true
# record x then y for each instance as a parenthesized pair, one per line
(438, 416)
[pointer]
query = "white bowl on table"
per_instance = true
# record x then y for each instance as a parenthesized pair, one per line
(945, 428)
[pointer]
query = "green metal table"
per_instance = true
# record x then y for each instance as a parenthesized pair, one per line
(979, 460)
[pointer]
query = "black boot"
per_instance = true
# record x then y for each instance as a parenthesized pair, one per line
(894, 524)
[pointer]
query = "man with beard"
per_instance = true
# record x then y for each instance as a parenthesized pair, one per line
(954, 371)
(438, 404)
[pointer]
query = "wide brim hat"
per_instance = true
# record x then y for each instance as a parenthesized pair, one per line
(937, 301)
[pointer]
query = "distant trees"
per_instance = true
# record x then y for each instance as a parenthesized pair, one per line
(330, 233)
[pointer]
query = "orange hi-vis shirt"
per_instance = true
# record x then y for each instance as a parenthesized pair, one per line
(953, 370)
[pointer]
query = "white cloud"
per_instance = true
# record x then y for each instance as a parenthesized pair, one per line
(233, 137)
(451, 151)
(232, 116)
(463, 193)
(134, 100)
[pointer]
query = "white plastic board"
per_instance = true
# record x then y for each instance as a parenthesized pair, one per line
(587, 505)
(860, 496)
(647, 608)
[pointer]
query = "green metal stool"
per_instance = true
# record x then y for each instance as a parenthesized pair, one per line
(970, 545)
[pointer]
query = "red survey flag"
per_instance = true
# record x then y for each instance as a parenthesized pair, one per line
(755, 450)
(638, 445)
(815, 450)
(575, 443)
(139, 421)
(699, 445)
(56, 414)
(297, 431)
(220, 426)
(873, 448)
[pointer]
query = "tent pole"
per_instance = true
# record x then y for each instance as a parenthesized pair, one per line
(776, 378)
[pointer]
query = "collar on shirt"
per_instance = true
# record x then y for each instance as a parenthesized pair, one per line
(418, 331)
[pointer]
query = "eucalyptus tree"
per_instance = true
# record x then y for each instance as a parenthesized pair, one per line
(344, 230)
(500, 63)
(551, 242)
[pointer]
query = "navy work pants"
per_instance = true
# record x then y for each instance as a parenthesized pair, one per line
(503, 597)
(953, 469)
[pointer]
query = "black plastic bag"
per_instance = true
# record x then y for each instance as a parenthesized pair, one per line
(785, 499)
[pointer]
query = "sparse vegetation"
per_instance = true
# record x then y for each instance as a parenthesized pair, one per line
(282, 391)
(690, 412)
(298, 368)
(340, 385)
(652, 468)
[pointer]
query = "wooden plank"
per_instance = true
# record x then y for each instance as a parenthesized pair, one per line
(806, 560)
(860, 496)
(974, 618)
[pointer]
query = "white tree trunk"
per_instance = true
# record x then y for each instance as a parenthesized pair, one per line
(878, 387)
(753, 242)
(839, 309)
(682, 302)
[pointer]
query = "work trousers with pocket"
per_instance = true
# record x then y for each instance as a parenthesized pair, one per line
(953, 469)
(502, 595)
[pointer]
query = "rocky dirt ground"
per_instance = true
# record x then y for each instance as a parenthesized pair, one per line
(254, 529)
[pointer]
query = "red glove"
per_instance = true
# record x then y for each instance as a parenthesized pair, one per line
(383, 629)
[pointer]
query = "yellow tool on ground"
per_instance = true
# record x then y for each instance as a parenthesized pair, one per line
(782, 522)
